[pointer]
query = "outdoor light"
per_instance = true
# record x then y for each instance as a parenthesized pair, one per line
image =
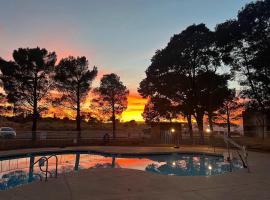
(210, 167)
(173, 163)
(172, 131)
(208, 130)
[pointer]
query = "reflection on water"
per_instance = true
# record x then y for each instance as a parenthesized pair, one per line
(186, 165)
(19, 171)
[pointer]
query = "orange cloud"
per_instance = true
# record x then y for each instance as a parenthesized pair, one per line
(135, 108)
(134, 111)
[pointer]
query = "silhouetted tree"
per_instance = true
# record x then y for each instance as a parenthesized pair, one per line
(27, 79)
(2, 101)
(111, 97)
(214, 91)
(183, 72)
(73, 81)
(245, 46)
(93, 120)
(230, 112)
(165, 107)
(149, 114)
(132, 123)
(8, 69)
(158, 109)
(187, 112)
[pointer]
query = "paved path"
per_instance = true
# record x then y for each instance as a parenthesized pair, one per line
(121, 184)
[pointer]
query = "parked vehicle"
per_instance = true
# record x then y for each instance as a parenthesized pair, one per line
(7, 132)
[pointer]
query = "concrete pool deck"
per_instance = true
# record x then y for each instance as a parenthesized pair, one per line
(134, 184)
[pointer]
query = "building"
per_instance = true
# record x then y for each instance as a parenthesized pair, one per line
(256, 124)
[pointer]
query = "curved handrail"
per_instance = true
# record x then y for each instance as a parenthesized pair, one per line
(244, 159)
(56, 164)
(40, 166)
(46, 171)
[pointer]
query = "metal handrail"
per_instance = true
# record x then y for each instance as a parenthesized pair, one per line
(40, 166)
(46, 171)
(56, 164)
(243, 157)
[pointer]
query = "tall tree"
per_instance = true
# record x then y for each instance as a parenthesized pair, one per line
(150, 115)
(255, 30)
(112, 97)
(73, 81)
(8, 69)
(27, 80)
(246, 46)
(230, 112)
(214, 91)
(183, 71)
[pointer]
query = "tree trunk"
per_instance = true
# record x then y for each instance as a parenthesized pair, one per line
(78, 121)
(34, 125)
(210, 113)
(113, 162)
(199, 120)
(210, 121)
(35, 112)
(260, 123)
(113, 121)
(77, 162)
(251, 84)
(14, 111)
(190, 126)
(263, 126)
(228, 121)
(78, 116)
(31, 169)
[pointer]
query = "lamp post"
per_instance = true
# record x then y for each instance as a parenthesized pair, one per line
(172, 130)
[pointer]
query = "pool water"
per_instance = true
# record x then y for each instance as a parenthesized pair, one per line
(16, 171)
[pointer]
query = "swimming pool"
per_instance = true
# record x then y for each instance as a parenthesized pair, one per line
(19, 170)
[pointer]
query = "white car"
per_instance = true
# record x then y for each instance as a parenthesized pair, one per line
(7, 132)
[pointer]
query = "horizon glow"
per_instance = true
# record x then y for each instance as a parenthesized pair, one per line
(117, 36)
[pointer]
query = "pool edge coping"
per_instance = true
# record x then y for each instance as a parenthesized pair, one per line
(27, 152)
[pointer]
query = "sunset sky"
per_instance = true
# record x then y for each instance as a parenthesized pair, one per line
(117, 36)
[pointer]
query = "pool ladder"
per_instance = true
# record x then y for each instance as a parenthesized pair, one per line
(243, 155)
(44, 162)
